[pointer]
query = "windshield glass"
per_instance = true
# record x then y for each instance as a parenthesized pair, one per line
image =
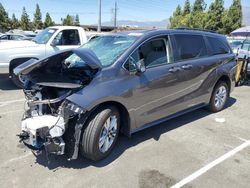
(109, 48)
(44, 36)
(74, 61)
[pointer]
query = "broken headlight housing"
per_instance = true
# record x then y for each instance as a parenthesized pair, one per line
(76, 109)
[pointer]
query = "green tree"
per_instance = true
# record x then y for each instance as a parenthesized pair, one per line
(199, 6)
(25, 21)
(48, 21)
(77, 20)
(197, 17)
(187, 8)
(69, 20)
(176, 18)
(37, 22)
(197, 20)
(178, 11)
(214, 16)
(232, 17)
(14, 22)
(4, 18)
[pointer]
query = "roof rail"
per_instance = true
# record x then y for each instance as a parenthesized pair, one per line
(195, 29)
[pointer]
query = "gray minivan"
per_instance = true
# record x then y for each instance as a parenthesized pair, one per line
(80, 100)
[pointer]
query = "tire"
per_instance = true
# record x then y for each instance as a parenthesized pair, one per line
(15, 79)
(95, 130)
(221, 89)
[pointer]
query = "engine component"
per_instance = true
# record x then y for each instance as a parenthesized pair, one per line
(49, 101)
(56, 125)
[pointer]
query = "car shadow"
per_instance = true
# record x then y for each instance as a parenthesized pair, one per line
(124, 143)
(6, 83)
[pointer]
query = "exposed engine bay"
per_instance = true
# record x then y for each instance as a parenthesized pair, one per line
(51, 122)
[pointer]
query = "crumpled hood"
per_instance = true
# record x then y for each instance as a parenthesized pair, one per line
(17, 44)
(87, 55)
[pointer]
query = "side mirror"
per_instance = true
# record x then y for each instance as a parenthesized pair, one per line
(140, 66)
(54, 43)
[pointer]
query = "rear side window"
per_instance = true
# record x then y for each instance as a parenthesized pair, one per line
(217, 46)
(190, 47)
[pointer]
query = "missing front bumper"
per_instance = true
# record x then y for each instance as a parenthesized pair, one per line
(44, 132)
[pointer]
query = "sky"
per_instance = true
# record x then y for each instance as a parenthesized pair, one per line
(136, 10)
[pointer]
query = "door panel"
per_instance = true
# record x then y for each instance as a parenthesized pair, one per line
(66, 39)
(154, 90)
(158, 86)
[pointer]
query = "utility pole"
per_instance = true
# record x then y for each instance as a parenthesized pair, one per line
(100, 16)
(115, 17)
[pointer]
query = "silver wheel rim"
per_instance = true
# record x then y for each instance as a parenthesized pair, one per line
(220, 97)
(108, 134)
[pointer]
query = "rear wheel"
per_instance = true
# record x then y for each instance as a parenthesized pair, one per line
(101, 133)
(219, 97)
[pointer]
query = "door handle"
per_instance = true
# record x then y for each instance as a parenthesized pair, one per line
(174, 69)
(187, 66)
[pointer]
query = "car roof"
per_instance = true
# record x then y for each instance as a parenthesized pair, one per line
(153, 32)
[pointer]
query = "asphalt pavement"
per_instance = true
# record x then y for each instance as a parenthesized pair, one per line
(198, 149)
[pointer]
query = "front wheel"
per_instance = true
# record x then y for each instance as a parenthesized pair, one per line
(219, 97)
(101, 133)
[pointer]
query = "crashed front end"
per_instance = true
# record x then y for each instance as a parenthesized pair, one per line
(44, 129)
(51, 122)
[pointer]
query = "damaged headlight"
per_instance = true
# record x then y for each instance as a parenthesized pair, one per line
(74, 107)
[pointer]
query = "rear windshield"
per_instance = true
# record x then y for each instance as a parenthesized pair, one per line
(109, 48)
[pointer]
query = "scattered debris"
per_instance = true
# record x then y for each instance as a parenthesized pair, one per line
(220, 120)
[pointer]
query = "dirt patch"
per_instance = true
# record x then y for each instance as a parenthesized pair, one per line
(237, 160)
(153, 178)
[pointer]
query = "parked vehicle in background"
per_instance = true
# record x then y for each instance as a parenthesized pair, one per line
(244, 53)
(79, 100)
(47, 42)
(235, 43)
(11, 36)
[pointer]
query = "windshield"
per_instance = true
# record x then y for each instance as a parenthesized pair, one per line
(74, 61)
(109, 48)
(44, 36)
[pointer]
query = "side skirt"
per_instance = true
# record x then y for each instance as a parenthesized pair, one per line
(168, 118)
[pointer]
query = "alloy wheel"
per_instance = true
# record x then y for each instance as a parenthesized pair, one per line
(108, 134)
(220, 97)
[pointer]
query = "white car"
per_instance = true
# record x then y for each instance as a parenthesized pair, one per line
(47, 42)
(11, 36)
